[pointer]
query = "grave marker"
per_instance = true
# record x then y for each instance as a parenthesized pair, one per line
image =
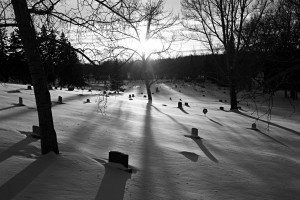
(35, 131)
(20, 101)
(118, 157)
(179, 104)
(59, 99)
(195, 133)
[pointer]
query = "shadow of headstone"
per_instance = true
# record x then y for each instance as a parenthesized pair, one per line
(113, 184)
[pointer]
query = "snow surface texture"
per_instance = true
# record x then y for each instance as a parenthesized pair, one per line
(231, 161)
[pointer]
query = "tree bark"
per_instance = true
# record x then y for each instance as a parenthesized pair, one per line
(146, 78)
(38, 76)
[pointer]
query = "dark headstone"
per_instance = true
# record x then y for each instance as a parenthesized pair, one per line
(59, 99)
(55, 87)
(118, 157)
(145, 96)
(88, 100)
(194, 132)
(253, 126)
(220, 100)
(35, 131)
(186, 104)
(20, 101)
(179, 104)
(132, 95)
(29, 87)
(90, 90)
(205, 111)
(221, 108)
(129, 96)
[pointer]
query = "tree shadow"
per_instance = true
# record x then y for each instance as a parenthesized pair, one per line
(20, 181)
(13, 106)
(113, 184)
(13, 150)
(271, 123)
(172, 118)
(205, 150)
(259, 131)
(190, 155)
(214, 121)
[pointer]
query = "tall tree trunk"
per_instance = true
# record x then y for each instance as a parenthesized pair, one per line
(42, 95)
(231, 64)
(146, 78)
(233, 97)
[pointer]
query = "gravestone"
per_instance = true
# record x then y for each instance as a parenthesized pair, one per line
(220, 100)
(29, 87)
(253, 126)
(20, 101)
(145, 96)
(35, 131)
(179, 104)
(129, 96)
(55, 87)
(132, 95)
(59, 99)
(88, 100)
(186, 104)
(221, 108)
(195, 132)
(157, 90)
(118, 157)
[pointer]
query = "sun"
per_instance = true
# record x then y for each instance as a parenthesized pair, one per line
(148, 47)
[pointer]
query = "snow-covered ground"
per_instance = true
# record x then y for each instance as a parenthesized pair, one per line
(232, 161)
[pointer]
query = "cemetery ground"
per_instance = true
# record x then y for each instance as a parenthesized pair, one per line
(230, 160)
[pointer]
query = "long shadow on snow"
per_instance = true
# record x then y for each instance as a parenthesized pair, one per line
(20, 181)
(113, 184)
(154, 171)
(259, 131)
(205, 150)
(25, 111)
(172, 118)
(15, 149)
(9, 107)
(271, 123)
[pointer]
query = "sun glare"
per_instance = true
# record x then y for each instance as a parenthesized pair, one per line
(148, 47)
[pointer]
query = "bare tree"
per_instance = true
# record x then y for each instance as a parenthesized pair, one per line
(22, 14)
(219, 24)
(135, 27)
(28, 36)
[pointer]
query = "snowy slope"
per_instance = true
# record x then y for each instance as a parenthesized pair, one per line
(232, 161)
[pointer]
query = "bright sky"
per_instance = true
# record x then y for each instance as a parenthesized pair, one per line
(179, 47)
